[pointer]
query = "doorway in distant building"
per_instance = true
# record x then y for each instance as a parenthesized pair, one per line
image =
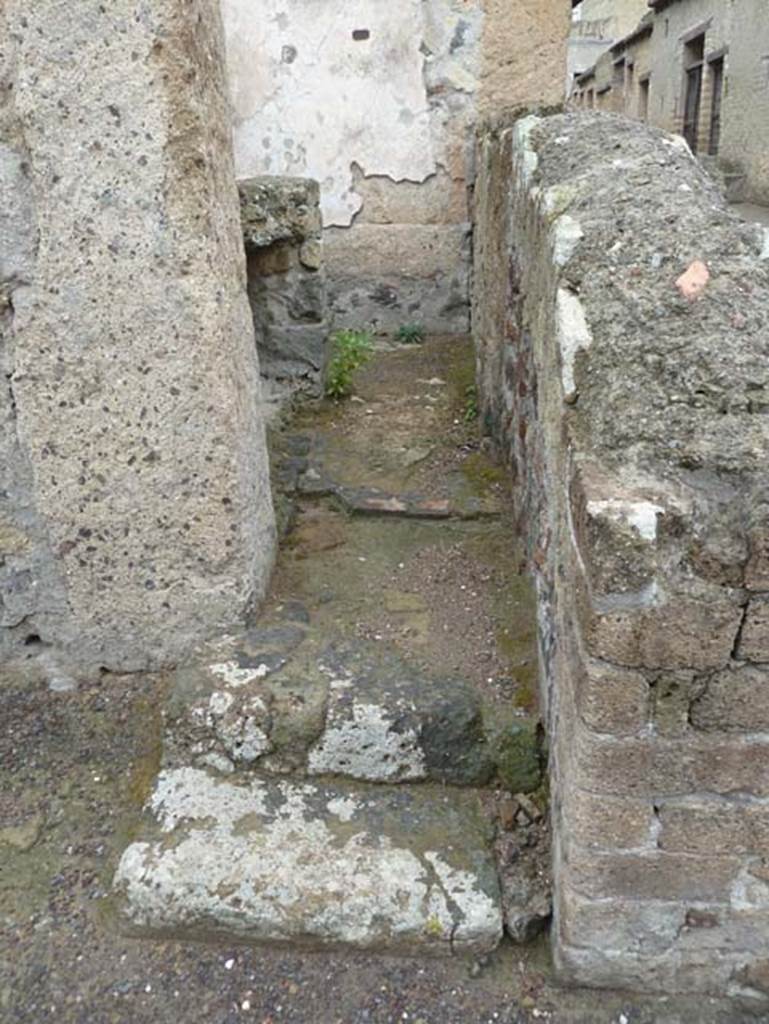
(694, 54)
(630, 96)
(717, 88)
(643, 98)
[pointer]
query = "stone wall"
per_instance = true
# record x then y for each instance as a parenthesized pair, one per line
(377, 102)
(135, 514)
(636, 94)
(620, 320)
(286, 279)
(617, 16)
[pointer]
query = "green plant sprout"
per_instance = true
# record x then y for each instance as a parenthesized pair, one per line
(350, 350)
(410, 334)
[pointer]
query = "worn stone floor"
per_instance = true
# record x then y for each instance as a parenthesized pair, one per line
(76, 766)
(439, 579)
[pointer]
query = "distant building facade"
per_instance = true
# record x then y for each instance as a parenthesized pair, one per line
(596, 24)
(699, 68)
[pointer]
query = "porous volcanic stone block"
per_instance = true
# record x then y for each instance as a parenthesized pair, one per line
(754, 639)
(134, 371)
(279, 209)
(652, 876)
(648, 767)
(612, 699)
(709, 825)
(286, 280)
(736, 700)
(685, 631)
(606, 822)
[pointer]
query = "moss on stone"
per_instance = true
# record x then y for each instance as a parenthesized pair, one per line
(482, 474)
(518, 755)
(460, 375)
(147, 765)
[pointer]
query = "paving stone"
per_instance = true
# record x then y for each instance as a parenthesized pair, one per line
(278, 698)
(244, 701)
(390, 869)
(372, 501)
(386, 722)
(309, 475)
(430, 508)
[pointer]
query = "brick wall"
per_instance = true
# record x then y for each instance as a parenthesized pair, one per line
(633, 423)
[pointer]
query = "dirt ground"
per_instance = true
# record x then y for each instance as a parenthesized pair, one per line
(75, 767)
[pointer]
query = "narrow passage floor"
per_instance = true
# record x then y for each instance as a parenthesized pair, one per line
(407, 601)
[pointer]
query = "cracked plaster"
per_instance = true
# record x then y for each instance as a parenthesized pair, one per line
(311, 100)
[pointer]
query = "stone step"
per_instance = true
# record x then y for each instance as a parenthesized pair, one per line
(391, 869)
(373, 501)
(279, 698)
(300, 469)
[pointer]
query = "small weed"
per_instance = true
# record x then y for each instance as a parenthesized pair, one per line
(410, 334)
(471, 403)
(350, 350)
(434, 927)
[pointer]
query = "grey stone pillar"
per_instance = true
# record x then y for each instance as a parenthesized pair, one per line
(135, 510)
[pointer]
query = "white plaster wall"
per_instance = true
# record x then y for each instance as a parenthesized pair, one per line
(622, 15)
(310, 100)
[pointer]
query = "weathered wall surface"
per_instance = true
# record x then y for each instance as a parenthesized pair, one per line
(523, 55)
(618, 16)
(634, 422)
(136, 514)
(286, 278)
(377, 102)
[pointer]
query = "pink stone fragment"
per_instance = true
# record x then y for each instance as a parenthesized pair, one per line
(691, 284)
(383, 504)
(437, 508)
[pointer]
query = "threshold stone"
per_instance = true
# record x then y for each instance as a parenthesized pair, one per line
(392, 869)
